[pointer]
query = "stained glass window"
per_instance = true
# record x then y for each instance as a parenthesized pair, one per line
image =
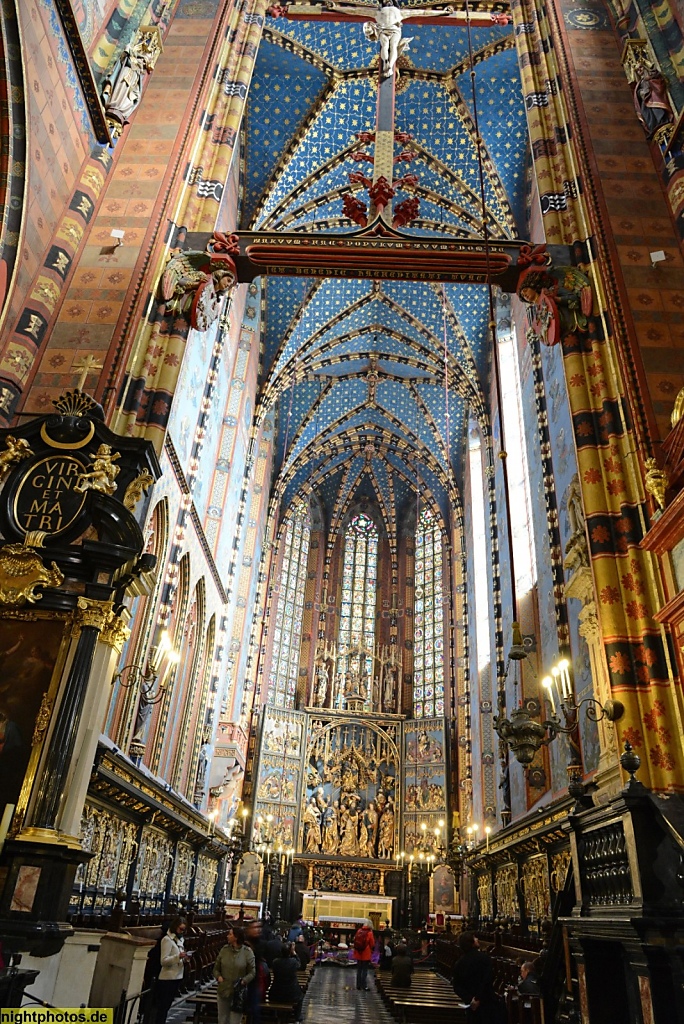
(357, 612)
(428, 620)
(287, 611)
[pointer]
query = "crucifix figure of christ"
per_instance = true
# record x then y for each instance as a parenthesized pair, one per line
(385, 28)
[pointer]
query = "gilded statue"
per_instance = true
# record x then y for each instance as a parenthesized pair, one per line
(363, 837)
(331, 836)
(321, 685)
(371, 816)
(312, 827)
(349, 845)
(386, 840)
(389, 688)
(656, 482)
(102, 474)
(16, 450)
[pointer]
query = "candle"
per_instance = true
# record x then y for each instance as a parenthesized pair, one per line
(5, 823)
(547, 683)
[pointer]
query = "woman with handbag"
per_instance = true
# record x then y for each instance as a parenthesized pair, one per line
(235, 967)
(172, 959)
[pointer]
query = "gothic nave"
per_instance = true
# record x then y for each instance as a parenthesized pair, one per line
(342, 489)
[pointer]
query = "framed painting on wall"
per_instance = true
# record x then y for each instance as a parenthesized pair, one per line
(249, 878)
(31, 658)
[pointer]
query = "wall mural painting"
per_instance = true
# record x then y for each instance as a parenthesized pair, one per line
(351, 804)
(443, 895)
(29, 650)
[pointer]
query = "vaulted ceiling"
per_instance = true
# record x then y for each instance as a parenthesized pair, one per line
(357, 368)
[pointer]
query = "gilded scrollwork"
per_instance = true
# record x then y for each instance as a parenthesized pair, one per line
(205, 880)
(155, 861)
(22, 570)
(184, 869)
(560, 862)
(506, 889)
(113, 843)
(484, 895)
(42, 720)
(535, 887)
(346, 879)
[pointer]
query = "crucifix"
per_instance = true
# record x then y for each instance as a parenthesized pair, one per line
(386, 30)
(86, 364)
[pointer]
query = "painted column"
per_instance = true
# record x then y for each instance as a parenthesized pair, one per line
(639, 661)
(52, 786)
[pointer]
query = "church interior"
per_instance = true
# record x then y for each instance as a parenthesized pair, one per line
(342, 489)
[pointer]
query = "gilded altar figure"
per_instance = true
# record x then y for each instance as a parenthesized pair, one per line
(389, 688)
(371, 822)
(331, 835)
(102, 474)
(349, 846)
(386, 842)
(312, 827)
(363, 837)
(321, 685)
(16, 450)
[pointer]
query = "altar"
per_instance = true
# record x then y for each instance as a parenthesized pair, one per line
(345, 912)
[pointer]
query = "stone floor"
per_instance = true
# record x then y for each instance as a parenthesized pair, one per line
(332, 998)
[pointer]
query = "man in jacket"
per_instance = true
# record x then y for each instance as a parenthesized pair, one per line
(364, 942)
(473, 981)
(235, 965)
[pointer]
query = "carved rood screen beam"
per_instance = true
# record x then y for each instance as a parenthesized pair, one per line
(375, 252)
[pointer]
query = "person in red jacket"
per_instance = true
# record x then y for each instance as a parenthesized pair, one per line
(364, 942)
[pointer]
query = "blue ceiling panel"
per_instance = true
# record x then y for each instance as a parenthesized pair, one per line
(283, 297)
(283, 89)
(340, 44)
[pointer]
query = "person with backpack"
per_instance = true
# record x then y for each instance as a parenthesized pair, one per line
(172, 959)
(364, 943)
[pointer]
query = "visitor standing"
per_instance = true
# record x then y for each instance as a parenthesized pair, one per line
(364, 941)
(234, 970)
(303, 952)
(172, 957)
(473, 981)
(285, 986)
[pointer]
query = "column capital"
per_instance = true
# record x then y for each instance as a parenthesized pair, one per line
(115, 633)
(90, 612)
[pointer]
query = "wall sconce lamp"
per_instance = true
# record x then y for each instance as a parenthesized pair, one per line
(153, 678)
(525, 735)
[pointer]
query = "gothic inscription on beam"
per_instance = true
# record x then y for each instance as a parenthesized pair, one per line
(376, 252)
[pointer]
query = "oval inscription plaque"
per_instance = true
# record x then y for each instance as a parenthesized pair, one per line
(45, 498)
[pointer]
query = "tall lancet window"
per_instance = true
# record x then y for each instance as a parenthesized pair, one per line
(289, 609)
(428, 631)
(357, 613)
